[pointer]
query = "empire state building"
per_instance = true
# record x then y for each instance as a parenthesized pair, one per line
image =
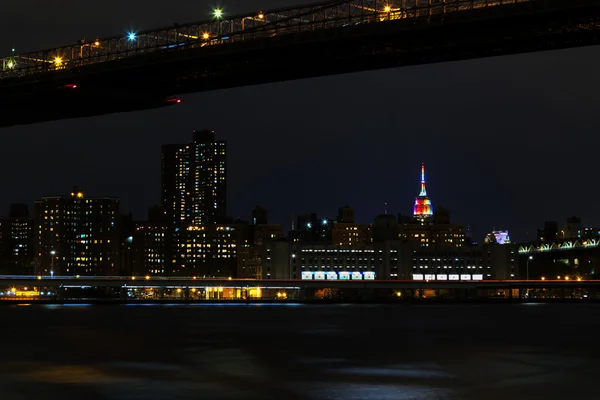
(423, 210)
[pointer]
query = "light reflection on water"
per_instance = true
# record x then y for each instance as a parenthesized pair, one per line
(213, 304)
(353, 391)
(261, 352)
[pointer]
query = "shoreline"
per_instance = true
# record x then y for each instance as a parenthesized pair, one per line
(293, 302)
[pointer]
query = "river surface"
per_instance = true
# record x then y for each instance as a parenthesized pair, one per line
(320, 352)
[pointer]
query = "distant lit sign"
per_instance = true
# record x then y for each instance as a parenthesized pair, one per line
(344, 276)
(477, 277)
(369, 276)
(442, 277)
(465, 277)
(320, 275)
(356, 276)
(417, 277)
(332, 276)
(453, 277)
(429, 277)
(306, 275)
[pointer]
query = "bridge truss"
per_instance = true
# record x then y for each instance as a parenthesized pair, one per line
(240, 28)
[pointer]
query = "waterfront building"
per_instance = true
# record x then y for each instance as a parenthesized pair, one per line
(392, 259)
(77, 235)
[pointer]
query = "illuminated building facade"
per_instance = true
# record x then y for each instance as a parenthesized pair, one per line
(176, 196)
(76, 235)
(390, 260)
(351, 234)
(194, 180)
(484, 262)
(438, 232)
(209, 250)
(17, 241)
(422, 209)
(151, 249)
(499, 237)
(346, 232)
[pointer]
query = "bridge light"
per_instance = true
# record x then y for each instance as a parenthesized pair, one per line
(131, 36)
(579, 279)
(261, 16)
(10, 64)
(543, 278)
(58, 61)
(218, 13)
(387, 9)
(97, 43)
(205, 36)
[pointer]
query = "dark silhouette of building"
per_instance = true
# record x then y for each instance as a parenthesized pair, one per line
(194, 180)
(572, 228)
(17, 241)
(346, 215)
(126, 232)
(441, 216)
(310, 228)
(152, 245)
(259, 216)
(385, 227)
(76, 235)
(550, 232)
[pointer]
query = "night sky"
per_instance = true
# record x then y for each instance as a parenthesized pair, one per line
(508, 142)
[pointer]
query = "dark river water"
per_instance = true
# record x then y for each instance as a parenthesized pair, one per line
(483, 352)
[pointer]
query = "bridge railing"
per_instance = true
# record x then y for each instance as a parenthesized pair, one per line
(217, 31)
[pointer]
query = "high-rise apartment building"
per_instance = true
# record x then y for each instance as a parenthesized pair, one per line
(194, 180)
(176, 195)
(76, 235)
(152, 245)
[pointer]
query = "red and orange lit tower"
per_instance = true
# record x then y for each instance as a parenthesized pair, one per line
(423, 209)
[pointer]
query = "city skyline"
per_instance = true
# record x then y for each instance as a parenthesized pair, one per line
(363, 161)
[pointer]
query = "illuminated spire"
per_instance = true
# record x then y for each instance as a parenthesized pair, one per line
(423, 190)
(423, 209)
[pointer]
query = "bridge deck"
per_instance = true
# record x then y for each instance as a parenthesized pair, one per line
(240, 28)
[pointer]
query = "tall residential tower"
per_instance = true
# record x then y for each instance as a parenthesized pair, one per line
(194, 180)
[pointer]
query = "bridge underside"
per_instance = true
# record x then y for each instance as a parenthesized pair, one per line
(146, 82)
